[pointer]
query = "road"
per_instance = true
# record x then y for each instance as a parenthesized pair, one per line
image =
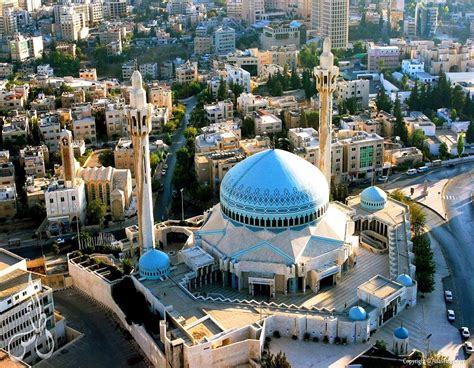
(457, 241)
(163, 199)
(455, 235)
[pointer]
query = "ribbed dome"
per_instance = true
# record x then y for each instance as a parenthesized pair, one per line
(373, 198)
(401, 333)
(274, 188)
(405, 280)
(357, 313)
(154, 264)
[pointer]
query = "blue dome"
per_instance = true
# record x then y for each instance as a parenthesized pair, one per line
(154, 264)
(405, 280)
(401, 333)
(274, 188)
(357, 314)
(373, 198)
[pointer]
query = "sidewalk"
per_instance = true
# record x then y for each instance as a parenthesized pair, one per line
(434, 195)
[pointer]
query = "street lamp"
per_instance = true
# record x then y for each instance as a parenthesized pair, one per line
(182, 205)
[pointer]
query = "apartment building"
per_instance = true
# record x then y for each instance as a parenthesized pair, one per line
(331, 18)
(161, 96)
(280, 34)
(149, 70)
(89, 74)
(248, 102)
(202, 45)
(116, 120)
(50, 128)
(187, 72)
(220, 111)
(34, 159)
(238, 76)
(224, 40)
(357, 89)
(448, 57)
(382, 57)
(8, 198)
(265, 122)
(23, 48)
(218, 137)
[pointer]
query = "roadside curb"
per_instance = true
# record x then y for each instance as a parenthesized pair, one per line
(431, 209)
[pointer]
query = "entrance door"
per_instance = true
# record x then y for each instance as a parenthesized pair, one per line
(326, 282)
(261, 290)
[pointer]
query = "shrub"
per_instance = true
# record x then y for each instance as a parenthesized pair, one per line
(268, 339)
(307, 336)
(344, 340)
(326, 339)
(315, 339)
(294, 337)
(276, 334)
(337, 340)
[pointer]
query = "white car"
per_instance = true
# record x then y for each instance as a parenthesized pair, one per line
(383, 178)
(60, 240)
(163, 172)
(451, 315)
(448, 296)
(465, 332)
(468, 347)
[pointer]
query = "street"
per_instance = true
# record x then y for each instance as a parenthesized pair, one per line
(163, 199)
(454, 236)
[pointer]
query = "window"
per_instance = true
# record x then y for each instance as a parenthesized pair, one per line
(62, 199)
(73, 198)
(51, 200)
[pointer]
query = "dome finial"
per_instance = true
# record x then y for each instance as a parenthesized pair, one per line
(327, 58)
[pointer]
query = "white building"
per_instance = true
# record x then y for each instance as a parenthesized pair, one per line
(50, 128)
(220, 111)
(248, 102)
(412, 66)
(128, 68)
(264, 122)
(45, 69)
(357, 89)
(418, 120)
(24, 48)
(33, 160)
(84, 128)
(116, 120)
(238, 76)
(149, 70)
(161, 96)
(23, 298)
(331, 18)
(224, 40)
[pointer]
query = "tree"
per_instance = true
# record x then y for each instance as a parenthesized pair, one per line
(56, 248)
(222, 91)
(453, 114)
(313, 119)
(425, 266)
(444, 151)
(106, 158)
(438, 360)
(127, 266)
(275, 361)
(470, 133)
(413, 101)
(303, 119)
(418, 138)
(278, 89)
(96, 211)
(382, 101)
(460, 145)
(248, 128)
(295, 81)
(399, 128)
(417, 218)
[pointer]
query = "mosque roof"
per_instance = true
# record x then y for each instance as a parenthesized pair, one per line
(273, 186)
(405, 280)
(401, 333)
(357, 313)
(373, 198)
(153, 264)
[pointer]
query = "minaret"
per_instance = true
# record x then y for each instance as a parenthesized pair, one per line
(67, 158)
(326, 74)
(139, 126)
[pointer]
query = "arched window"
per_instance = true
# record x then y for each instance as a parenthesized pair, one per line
(291, 222)
(267, 223)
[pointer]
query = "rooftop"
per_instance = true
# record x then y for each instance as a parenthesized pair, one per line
(8, 259)
(380, 287)
(15, 281)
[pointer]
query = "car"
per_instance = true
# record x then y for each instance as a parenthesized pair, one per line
(448, 296)
(423, 169)
(465, 332)
(383, 178)
(451, 166)
(165, 166)
(451, 315)
(468, 347)
(411, 172)
(60, 240)
(163, 172)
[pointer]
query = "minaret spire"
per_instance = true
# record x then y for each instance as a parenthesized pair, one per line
(326, 74)
(139, 126)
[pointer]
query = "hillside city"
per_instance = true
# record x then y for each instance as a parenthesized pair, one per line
(236, 183)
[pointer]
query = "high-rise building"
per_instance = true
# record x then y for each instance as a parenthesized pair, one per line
(331, 18)
(252, 10)
(153, 264)
(224, 40)
(326, 74)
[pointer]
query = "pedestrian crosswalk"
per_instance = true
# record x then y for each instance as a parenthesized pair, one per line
(450, 197)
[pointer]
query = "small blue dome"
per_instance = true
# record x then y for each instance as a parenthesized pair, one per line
(401, 333)
(154, 264)
(405, 280)
(357, 314)
(373, 198)
(274, 188)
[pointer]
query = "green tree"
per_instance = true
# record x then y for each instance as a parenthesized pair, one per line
(470, 133)
(106, 158)
(418, 138)
(222, 91)
(190, 132)
(303, 119)
(417, 218)
(400, 128)
(275, 361)
(460, 144)
(96, 211)
(453, 114)
(382, 101)
(425, 266)
(438, 360)
(56, 248)
(248, 128)
(413, 101)
(295, 81)
(444, 151)
(313, 119)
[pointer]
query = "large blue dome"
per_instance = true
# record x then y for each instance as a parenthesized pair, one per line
(154, 264)
(274, 188)
(401, 333)
(405, 280)
(373, 198)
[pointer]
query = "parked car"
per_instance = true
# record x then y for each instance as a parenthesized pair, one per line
(465, 332)
(422, 169)
(468, 347)
(411, 172)
(60, 240)
(451, 315)
(383, 178)
(448, 296)
(163, 172)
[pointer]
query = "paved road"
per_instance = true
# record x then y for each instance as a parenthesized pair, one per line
(457, 241)
(454, 236)
(104, 344)
(163, 199)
